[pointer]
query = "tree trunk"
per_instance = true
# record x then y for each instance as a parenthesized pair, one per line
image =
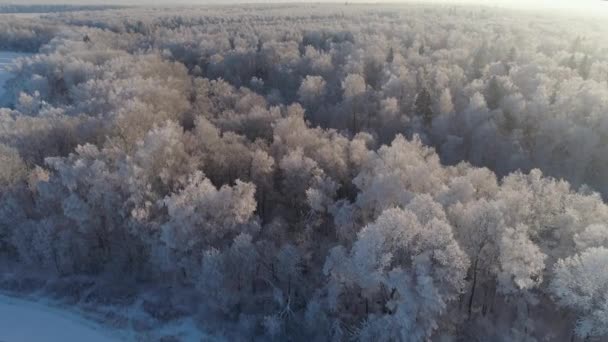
(473, 287)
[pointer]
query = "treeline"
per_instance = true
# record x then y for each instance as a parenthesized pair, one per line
(321, 173)
(25, 35)
(53, 8)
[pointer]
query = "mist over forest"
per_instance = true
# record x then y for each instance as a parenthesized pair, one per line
(309, 172)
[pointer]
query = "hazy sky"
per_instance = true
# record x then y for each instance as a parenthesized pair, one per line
(568, 4)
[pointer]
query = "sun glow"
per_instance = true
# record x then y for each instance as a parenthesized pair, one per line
(563, 4)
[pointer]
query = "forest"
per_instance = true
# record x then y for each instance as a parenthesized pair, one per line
(310, 172)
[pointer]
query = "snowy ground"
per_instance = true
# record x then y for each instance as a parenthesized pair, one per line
(6, 58)
(25, 321)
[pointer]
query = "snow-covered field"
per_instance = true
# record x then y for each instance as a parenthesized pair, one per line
(6, 58)
(25, 321)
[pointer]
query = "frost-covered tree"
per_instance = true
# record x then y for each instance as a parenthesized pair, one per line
(580, 284)
(312, 90)
(405, 273)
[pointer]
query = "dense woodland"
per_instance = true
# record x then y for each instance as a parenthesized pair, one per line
(313, 172)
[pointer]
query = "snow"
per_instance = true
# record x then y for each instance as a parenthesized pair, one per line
(25, 321)
(6, 59)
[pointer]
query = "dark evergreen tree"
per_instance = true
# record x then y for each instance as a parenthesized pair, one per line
(423, 106)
